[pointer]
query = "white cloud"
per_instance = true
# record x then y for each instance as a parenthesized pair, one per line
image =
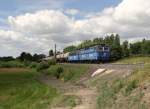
(41, 22)
(37, 32)
(72, 11)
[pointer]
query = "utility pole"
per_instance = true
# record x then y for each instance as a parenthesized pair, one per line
(55, 51)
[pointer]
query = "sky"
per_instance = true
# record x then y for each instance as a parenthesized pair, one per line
(36, 25)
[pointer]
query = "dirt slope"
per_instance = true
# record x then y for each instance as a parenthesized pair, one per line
(86, 93)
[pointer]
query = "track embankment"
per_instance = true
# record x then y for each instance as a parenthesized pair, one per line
(86, 93)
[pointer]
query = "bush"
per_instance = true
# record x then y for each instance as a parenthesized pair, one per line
(52, 62)
(71, 72)
(33, 65)
(27, 63)
(58, 73)
(43, 65)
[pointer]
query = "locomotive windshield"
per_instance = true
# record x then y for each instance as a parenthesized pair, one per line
(106, 48)
(100, 48)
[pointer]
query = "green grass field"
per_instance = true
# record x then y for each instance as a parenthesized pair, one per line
(12, 64)
(72, 72)
(135, 60)
(19, 89)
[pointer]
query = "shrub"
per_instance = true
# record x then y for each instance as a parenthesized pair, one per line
(52, 62)
(59, 71)
(43, 65)
(33, 65)
(27, 63)
(51, 70)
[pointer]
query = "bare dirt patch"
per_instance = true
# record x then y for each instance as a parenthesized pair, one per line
(14, 70)
(87, 96)
(3, 98)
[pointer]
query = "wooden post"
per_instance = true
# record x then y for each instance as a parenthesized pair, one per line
(55, 52)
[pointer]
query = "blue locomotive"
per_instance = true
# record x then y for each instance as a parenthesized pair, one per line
(95, 53)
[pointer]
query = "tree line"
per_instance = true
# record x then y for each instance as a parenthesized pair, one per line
(118, 50)
(24, 56)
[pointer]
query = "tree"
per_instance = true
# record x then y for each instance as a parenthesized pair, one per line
(51, 53)
(69, 49)
(113, 41)
(85, 44)
(109, 40)
(136, 48)
(145, 47)
(140, 47)
(22, 56)
(8, 58)
(35, 57)
(97, 41)
(125, 49)
(38, 57)
(41, 56)
(28, 57)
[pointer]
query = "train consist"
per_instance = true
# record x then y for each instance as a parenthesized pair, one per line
(96, 53)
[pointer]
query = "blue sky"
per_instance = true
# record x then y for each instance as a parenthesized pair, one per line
(87, 5)
(91, 5)
(14, 7)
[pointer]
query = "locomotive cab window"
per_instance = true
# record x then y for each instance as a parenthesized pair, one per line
(106, 48)
(100, 48)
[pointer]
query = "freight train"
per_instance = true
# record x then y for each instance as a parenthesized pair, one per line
(97, 53)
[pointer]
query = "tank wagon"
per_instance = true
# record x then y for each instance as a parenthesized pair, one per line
(63, 57)
(93, 54)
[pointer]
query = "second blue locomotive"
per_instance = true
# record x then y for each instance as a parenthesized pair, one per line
(94, 53)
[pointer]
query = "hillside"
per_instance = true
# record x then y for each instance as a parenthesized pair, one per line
(125, 92)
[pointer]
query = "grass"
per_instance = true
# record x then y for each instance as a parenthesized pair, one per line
(66, 101)
(19, 89)
(135, 60)
(125, 93)
(11, 64)
(71, 72)
(121, 93)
